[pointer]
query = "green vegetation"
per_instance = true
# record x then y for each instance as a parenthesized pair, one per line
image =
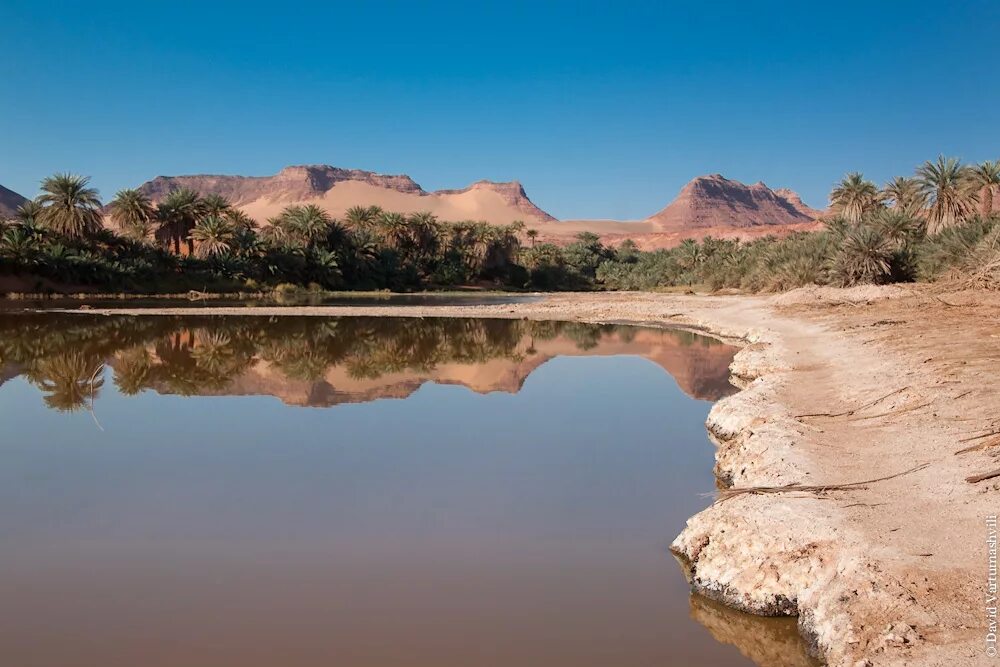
(936, 222)
(190, 242)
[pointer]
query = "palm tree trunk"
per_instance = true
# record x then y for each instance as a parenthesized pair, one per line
(987, 201)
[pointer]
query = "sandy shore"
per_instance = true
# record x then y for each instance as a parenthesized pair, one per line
(840, 386)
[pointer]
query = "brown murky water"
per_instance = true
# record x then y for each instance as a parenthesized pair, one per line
(357, 491)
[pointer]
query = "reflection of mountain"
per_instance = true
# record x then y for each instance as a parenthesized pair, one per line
(326, 361)
(774, 642)
(700, 368)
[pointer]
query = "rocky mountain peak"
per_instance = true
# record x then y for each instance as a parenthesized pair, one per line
(716, 201)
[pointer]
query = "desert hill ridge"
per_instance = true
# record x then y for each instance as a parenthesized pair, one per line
(707, 205)
(336, 190)
(9, 201)
(710, 204)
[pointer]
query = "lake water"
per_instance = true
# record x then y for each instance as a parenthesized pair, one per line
(250, 491)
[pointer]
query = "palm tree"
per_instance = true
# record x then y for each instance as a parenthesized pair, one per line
(214, 234)
(865, 256)
(309, 223)
(29, 212)
(986, 177)
(362, 217)
(854, 196)
(393, 227)
(425, 234)
(240, 220)
(179, 212)
(275, 232)
(905, 194)
(899, 226)
(215, 204)
(949, 190)
(532, 235)
(133, 212)
(71, 208)
(504, 246)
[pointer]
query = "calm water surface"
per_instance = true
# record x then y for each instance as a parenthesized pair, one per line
(294, 299)
(252, 491)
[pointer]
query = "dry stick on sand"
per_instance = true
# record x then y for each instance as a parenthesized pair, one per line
(851, 412)
(980, 436)
(796, 487)
(983, 445)
(909, 408)
(975, 479)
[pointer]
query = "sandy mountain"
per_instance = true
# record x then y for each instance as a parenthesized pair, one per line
(9, 201)
(708, 205)
(716, 201)
(336, 190)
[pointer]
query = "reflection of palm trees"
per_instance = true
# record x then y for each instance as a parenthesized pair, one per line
(304, 363)
(133, 368)
(214, 352)
(198, 355)
(70, 380)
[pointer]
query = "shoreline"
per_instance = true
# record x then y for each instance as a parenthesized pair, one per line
(883, 573)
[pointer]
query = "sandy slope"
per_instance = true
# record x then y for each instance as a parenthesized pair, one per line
(891, 573)
(472, 204)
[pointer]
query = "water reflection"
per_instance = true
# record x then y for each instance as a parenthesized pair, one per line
(320, 361)
(528, 525)
(774, 642)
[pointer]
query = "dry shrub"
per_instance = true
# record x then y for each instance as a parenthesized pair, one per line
(982, 267)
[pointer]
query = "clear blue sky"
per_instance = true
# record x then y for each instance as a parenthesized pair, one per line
(600, 109)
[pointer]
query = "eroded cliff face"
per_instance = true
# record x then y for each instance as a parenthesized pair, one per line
(795, 200)
(290, 184)
(716, 201)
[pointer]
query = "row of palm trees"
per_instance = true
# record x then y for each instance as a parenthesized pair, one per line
(368, 244)
(945, 192)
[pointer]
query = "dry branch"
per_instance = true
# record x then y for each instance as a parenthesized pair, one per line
(983, 445)
(980, 436)
(796, 487)
(974, 479)
(854, 410)
(909, 408)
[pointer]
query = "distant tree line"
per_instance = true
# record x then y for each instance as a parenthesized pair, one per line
(188, 241)
(919, 227)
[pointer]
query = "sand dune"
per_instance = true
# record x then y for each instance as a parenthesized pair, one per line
(479, 202)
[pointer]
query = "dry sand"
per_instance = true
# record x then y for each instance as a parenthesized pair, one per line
(473, 204)
(888, 573)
